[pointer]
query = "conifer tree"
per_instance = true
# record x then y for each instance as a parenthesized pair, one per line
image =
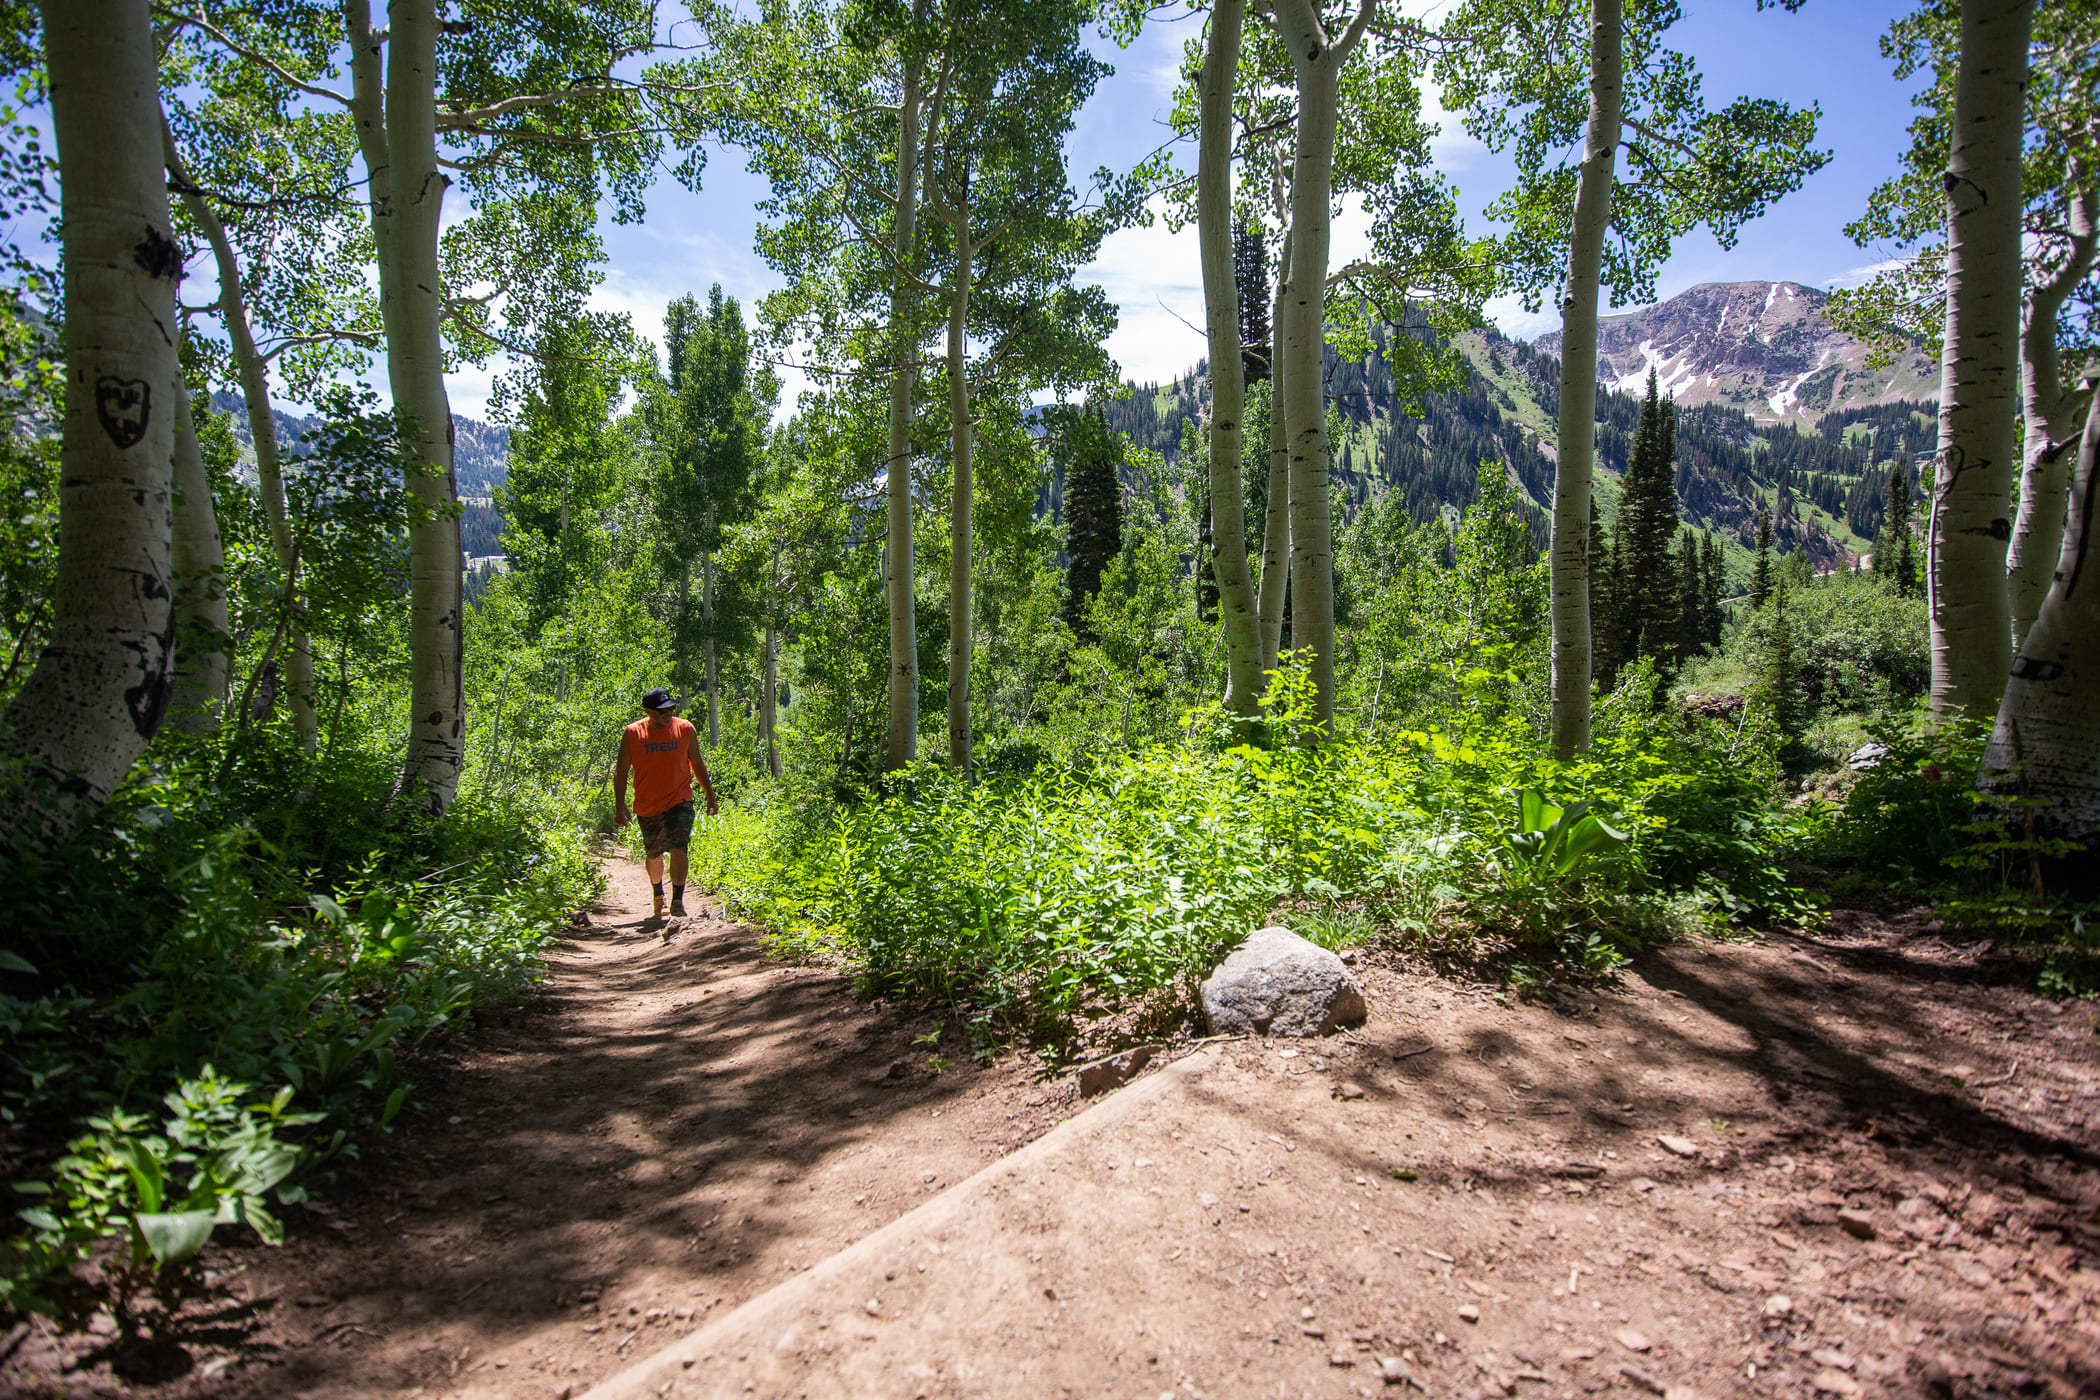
(1090, 456)
(1895, 548)
(1250, 271)
(1691, 611)
(1780, 671)
(1761, 575)
(1604, 597)
(1649, 619)
(1714, 588)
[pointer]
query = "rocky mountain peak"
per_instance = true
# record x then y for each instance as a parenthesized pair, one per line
(1762, 347)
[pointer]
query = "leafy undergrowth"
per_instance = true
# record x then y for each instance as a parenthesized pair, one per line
(1043, 900)
(208, 994)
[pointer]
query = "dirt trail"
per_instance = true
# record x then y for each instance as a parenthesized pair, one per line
(1863, 1163)
(675, 1126)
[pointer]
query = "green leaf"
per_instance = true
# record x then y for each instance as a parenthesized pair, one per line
(176, 1236)
(15, 962)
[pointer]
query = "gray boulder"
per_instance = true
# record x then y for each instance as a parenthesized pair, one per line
(1276, 983)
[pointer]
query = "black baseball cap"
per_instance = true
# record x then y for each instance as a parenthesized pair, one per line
(659, 700)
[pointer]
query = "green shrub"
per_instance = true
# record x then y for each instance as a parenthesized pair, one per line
(1043, 898)
(222, 973)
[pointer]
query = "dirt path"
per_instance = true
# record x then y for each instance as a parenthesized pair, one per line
(1864, 1163)
(676, 1125)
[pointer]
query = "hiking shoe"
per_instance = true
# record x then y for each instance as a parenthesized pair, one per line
(677, 907)
(658, 912)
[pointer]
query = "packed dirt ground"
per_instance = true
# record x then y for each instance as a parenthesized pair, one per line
(1860, 1161)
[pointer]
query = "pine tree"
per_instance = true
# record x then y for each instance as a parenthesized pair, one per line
(1761, 575)
(1250, 273)
(1089, 455)
(1781, 683)
(1714, 588)
(1895, 549)
(1604, 597)
(1691, 611)
(1650, 619)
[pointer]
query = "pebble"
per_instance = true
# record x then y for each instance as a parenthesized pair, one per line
(874, 1307)
(1829, 1356)
(1834, 1383)
(1393, 1371)
(1631, 1339)
(1469, 1313)
(1857, 1223)
(1346, 1090)
(1683, 1147)
(1778, 1306)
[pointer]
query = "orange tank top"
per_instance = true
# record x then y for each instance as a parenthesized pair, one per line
(663, 774)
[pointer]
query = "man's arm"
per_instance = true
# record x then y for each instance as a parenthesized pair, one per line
(620, 783)
(692, 745)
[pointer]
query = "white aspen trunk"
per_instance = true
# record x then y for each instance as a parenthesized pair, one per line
(102, 683)
(2038, 532)
(903, 745)
(1576, 465)
(769, 714)
(959, 610)
(1968, 605)
(681, 661)
(1228, 388)
(707, 638)
(1276, 527)
(2045, 744)
(416, 371)
(201, 663)
(262, 428)
(1318, 63)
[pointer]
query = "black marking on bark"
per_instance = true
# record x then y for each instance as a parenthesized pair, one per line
(159, 255)
(436, 717)
(2028, 668)
(448, 431)
(2001, 529)
(148, 700)
(124, 407)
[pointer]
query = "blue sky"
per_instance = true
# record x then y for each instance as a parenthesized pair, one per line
(1828, 53)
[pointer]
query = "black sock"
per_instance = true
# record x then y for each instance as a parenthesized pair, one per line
(678, 893)
(658, 886)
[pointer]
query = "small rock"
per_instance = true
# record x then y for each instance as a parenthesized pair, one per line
(1641, 1380)
(1346, 1090)
(1277, 983)
(1641, 1183)
(1683, 1147)
(874, 1307)
(1342, 1358)
(1571, 1355)
(898, 1069)
(1779, 1306)
(1393, 1371)
(1113, 1072)
(1206, 1200)
(1857, 1223)
(1311, 1331)
(1830, 1356)
(1306, 1314)
(1468, 1313)
(1632, 1340)
(1834, 1382)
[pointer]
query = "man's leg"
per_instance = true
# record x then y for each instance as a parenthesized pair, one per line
(678, 832)
(653, 840)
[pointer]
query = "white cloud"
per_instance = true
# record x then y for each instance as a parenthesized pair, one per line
(1860, 276)
(1508, 313)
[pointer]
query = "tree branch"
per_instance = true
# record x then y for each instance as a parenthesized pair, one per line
(263, 61)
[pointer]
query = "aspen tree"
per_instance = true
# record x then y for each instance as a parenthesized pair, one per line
(102, 684)
(1542, 77)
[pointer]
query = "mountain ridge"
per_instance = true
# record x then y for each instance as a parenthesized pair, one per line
(1765, 348)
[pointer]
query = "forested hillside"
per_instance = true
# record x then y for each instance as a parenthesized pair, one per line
(1824, 481)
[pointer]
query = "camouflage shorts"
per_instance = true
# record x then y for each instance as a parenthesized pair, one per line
(668, 830)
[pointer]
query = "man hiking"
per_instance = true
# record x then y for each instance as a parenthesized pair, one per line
(664, 752)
